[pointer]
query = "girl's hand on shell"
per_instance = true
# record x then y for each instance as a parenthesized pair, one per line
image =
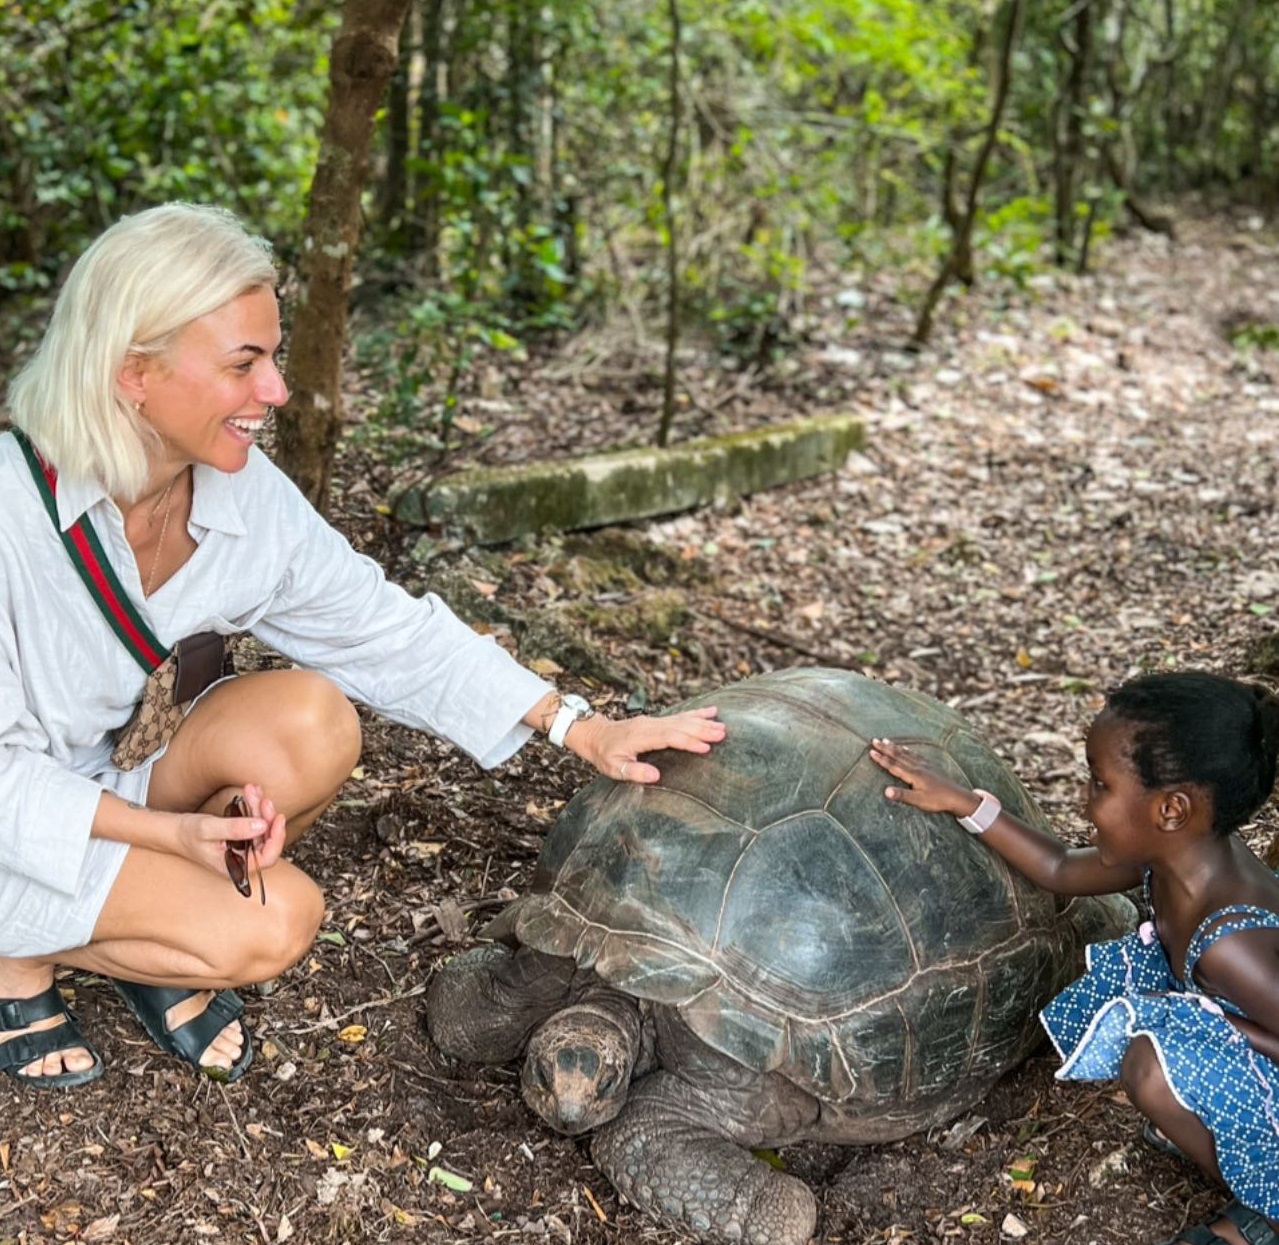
(614, 745)
(927, 788)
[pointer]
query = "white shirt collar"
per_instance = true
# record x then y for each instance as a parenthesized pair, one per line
(213, 506)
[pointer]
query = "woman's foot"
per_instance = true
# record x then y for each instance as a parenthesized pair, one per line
(40, 1041)
(199, 1026)
(225, 1049)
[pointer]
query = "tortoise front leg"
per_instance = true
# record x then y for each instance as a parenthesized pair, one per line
(661, 1154)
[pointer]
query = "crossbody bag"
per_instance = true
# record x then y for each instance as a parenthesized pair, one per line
(176, 676)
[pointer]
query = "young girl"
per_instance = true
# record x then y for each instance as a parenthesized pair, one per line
(1185, 1011)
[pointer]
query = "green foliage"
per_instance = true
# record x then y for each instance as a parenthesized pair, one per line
(533, 141)
(416, 358)
(498, 228)
(1013, 236)
(810, 122)
(107, 108)
(1254, 335)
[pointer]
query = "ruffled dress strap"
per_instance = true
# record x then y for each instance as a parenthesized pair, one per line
(1235, 919)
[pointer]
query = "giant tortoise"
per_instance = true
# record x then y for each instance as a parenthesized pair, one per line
(761, 949)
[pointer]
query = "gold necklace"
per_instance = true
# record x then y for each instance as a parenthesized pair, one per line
(167, 502)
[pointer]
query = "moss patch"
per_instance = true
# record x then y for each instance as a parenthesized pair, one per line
(495, 505)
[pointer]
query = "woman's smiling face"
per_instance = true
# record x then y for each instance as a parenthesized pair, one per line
(208, 394)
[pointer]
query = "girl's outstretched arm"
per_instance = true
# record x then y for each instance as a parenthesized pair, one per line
(1045, 860)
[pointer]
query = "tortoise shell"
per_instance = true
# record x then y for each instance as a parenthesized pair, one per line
(798, 921)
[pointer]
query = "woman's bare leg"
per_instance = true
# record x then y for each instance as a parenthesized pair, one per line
(290, 731)
(170, 922)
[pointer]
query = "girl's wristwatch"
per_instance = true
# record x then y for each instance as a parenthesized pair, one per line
(983, 816)
(572, 709)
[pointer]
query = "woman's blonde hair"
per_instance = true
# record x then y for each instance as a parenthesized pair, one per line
(131, 292)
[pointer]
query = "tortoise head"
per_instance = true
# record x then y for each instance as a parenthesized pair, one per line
(579, 1063)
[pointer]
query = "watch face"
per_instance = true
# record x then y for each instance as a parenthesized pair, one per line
(578, 704)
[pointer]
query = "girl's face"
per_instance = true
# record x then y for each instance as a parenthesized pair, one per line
(1120, 808)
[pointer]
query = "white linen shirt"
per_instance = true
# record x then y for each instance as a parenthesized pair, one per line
(266, 563)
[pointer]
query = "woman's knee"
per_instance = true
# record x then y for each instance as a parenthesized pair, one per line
(292, 731)
(323, 728)
(280, 933)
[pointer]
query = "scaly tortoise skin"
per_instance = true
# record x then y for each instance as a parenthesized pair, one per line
(761, 950)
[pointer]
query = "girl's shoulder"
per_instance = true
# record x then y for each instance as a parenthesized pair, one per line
(1225, 922)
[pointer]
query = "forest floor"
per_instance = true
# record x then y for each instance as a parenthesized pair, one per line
(1076, 482)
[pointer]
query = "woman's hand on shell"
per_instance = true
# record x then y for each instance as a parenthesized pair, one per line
(614, 745)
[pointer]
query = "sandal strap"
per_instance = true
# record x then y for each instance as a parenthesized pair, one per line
(192, 1039)
(1199, 1234)
(1252, 1227)
(19, 1013)
(25, 1048)
(150, 1004)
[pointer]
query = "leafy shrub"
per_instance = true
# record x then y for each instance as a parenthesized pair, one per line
(109, 108)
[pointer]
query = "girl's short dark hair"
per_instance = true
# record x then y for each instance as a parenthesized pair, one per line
(1203, 729)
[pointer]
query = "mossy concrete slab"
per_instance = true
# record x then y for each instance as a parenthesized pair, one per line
(492, 505)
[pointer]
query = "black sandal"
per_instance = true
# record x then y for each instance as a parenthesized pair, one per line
(17, 1052)
(1252, 1227)
(150, 1004)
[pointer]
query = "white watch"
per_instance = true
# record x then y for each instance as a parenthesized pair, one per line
(983, 816)
(572, 709)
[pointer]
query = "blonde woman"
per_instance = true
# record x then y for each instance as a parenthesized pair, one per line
(135, 513)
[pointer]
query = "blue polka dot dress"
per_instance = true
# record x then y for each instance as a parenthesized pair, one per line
(1129, 990)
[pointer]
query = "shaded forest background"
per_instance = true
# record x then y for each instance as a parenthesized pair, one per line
(665, 177)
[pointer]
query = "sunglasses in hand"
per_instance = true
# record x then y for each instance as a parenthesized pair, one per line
(238, 852)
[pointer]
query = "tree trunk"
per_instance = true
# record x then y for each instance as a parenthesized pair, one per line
(394, 190)
(1225, 85)
(363, 59)
(525, 38)
(958, 264)
(1068, 133)
(423, 235)
(1118, 149)
(669, 171)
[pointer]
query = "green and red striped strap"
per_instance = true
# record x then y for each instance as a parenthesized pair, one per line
(87, 554)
